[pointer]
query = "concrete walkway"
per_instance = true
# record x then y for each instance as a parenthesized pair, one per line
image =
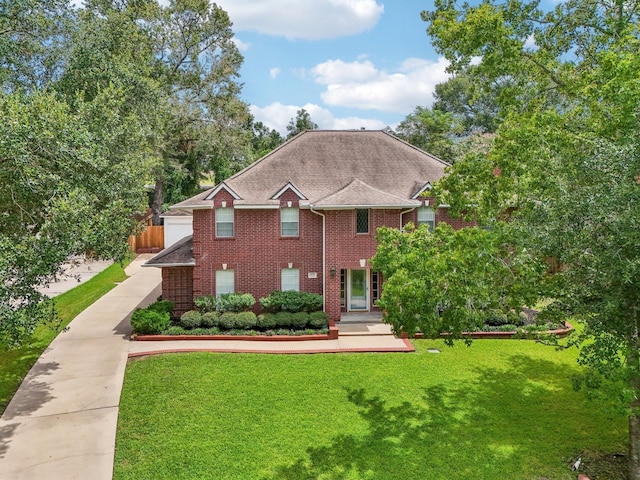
(61, 424)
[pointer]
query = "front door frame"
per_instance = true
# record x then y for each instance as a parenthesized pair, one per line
(367, 290)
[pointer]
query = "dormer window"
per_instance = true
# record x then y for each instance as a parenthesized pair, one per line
(289, 222)
(224, 222)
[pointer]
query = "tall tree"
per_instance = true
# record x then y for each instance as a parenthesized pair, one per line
(432, 131)
(264, 139)
(181, 67)
(300, 123)
(199, 64)
(475, 108)
(33, 37)
(564, 167)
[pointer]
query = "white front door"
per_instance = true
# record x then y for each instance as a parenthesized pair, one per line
(358, 291)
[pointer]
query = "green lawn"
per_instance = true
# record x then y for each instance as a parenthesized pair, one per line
(497, 410)
(16, 363)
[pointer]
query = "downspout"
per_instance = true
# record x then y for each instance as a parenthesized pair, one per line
(324, 260)
(402, 215)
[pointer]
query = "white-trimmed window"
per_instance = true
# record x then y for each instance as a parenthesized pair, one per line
(428, 216)
(290, 279)
(289, 222)
(224, 222)
(224, 282)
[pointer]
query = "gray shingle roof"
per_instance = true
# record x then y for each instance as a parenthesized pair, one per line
(335, 168)
(180, 254)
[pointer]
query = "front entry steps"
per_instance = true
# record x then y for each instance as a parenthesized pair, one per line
(365, 323)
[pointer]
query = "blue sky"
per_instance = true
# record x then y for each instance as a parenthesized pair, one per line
(349, 63)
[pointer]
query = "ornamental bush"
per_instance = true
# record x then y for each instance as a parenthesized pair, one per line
(236, 302)
(266, 321)
(284, 319)
(206, 303)
(162, 306)
(318, 320)
(299, 320)
(291, 301)
(149, 322)
(237, 320)
(191, 319)
(210, 319)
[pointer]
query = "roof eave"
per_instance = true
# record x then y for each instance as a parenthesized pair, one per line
(166, 265)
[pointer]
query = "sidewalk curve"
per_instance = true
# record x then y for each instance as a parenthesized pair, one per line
(61, 423)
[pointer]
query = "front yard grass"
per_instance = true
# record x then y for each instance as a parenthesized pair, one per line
(15, 363)
(499, 409)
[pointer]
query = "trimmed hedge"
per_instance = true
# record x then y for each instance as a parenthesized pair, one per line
(149, 322)
(191, 319)
(237, 321)
(266, 321)
(206, 303)
(210, 319)
(318, 320)
(229, 302)
(291, 301)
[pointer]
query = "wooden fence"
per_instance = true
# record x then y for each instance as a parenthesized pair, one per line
(149, 241)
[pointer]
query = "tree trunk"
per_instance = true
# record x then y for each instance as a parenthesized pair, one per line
(158, 200)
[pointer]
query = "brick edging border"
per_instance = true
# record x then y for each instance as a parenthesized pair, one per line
(561, 332)
(332, 335)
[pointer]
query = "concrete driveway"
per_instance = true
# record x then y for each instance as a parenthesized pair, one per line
(61, 424)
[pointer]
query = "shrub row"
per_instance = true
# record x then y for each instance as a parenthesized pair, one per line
(229, 302)
(291, 301)
(194, 319)
(154, 319)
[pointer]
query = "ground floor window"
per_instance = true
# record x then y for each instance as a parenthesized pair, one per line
(375, 286)
(224, 282)
(290, 279)
(343, 276)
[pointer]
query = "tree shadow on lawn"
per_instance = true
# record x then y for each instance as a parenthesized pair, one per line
(505, 424)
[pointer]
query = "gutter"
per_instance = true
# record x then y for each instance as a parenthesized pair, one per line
(324, 259)
(402, 215)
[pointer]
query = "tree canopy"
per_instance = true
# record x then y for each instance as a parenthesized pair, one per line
(563, 169)
(97, 102)
(300, 123)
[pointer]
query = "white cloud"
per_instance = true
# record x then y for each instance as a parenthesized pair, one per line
(274, 72)
(361, 85)
(242, 46)
(303, 18)
(337, 71)
(277, 116)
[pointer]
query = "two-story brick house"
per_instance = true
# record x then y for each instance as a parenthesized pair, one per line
(303, 217)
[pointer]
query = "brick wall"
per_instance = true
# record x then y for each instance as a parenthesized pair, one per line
(257, 252)
(177, 286)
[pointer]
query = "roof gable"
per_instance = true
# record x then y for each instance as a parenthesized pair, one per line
(219, 188)
(288, 186)
(360, 195)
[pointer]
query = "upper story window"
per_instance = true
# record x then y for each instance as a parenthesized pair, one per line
(289, 222)
(224, 222)
(428, 216)
(362, 220)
